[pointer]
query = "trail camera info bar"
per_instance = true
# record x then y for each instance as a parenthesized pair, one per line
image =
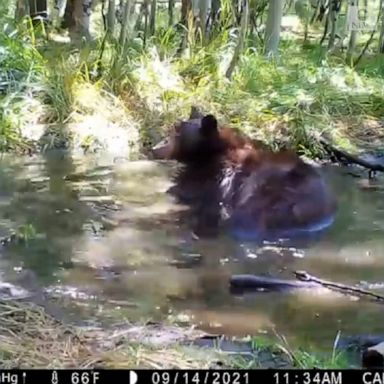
(221, 376)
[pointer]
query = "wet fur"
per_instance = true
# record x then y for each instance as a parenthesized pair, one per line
(228, 178)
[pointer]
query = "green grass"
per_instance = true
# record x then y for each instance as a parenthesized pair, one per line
(285, 102)
(288, 102)
(31, 338)
(21, 81)
(303, 358)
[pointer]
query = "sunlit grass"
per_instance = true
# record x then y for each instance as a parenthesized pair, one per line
(296, 357)
(288, 102)
(32, 338)
(21, 81)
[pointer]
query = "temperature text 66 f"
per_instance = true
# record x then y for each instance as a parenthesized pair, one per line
(85, 377)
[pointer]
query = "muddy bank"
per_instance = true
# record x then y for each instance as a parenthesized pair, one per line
(30, 338)
(35, 328)
(91, 135)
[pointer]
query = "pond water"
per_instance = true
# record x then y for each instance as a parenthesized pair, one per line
(109, 242)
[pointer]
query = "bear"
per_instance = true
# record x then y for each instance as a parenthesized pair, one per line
(230, 180)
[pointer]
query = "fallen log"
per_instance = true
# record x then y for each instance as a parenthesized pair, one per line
(347, 158)
(252, 283)
(243, 283)
(373, 357)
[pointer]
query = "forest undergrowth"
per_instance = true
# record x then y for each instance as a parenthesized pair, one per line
(291, 100)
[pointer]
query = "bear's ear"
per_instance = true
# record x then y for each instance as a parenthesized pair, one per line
(195, 113)
(209, 125)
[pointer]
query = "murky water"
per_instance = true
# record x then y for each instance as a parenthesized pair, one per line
(109, 241)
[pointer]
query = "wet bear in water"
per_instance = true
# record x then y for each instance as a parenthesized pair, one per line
(230, 179)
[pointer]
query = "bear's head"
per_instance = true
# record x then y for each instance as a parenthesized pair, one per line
(191, 140)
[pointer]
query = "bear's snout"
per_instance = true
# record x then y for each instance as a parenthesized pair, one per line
(162, 150)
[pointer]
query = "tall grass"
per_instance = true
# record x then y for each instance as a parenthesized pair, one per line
(21, 80)
(286, 102)
(289, 101)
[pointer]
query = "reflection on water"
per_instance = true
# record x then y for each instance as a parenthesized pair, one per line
(109, 239)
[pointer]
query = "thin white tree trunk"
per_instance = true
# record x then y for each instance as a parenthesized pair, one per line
(125, 25)
(381, 38)
(346, 27)
(333, 14)
(242, 36)
(60, 8)
(273, 27)
(353, 4)
(203, 10)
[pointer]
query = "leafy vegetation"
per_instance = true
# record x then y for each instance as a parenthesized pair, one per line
(30, 337)
(290, 99)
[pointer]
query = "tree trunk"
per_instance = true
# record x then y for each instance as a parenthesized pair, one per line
(203, 10)
(333, 13)
(111, 17)
(139, 19)
(22, 9)
(353, 34)
(125, 23)
(302, 9)
(146, 16)
(381, 39)
(273, 27)
(68, 19)
(351, 45)
(171, 5)
(373, 32)
(186, 7)
(237, 12)
(152, 21)
(82, 12)
(60, 7)
(215, 8)
(365, 10)
(242, 36)
(76, 19)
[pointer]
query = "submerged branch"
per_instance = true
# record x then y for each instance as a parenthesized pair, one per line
(347, 158)
(303, 276)
(244, 283)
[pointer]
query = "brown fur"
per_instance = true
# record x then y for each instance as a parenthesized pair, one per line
(229, 175)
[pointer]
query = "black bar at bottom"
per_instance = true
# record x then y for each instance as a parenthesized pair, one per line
(262, 376)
